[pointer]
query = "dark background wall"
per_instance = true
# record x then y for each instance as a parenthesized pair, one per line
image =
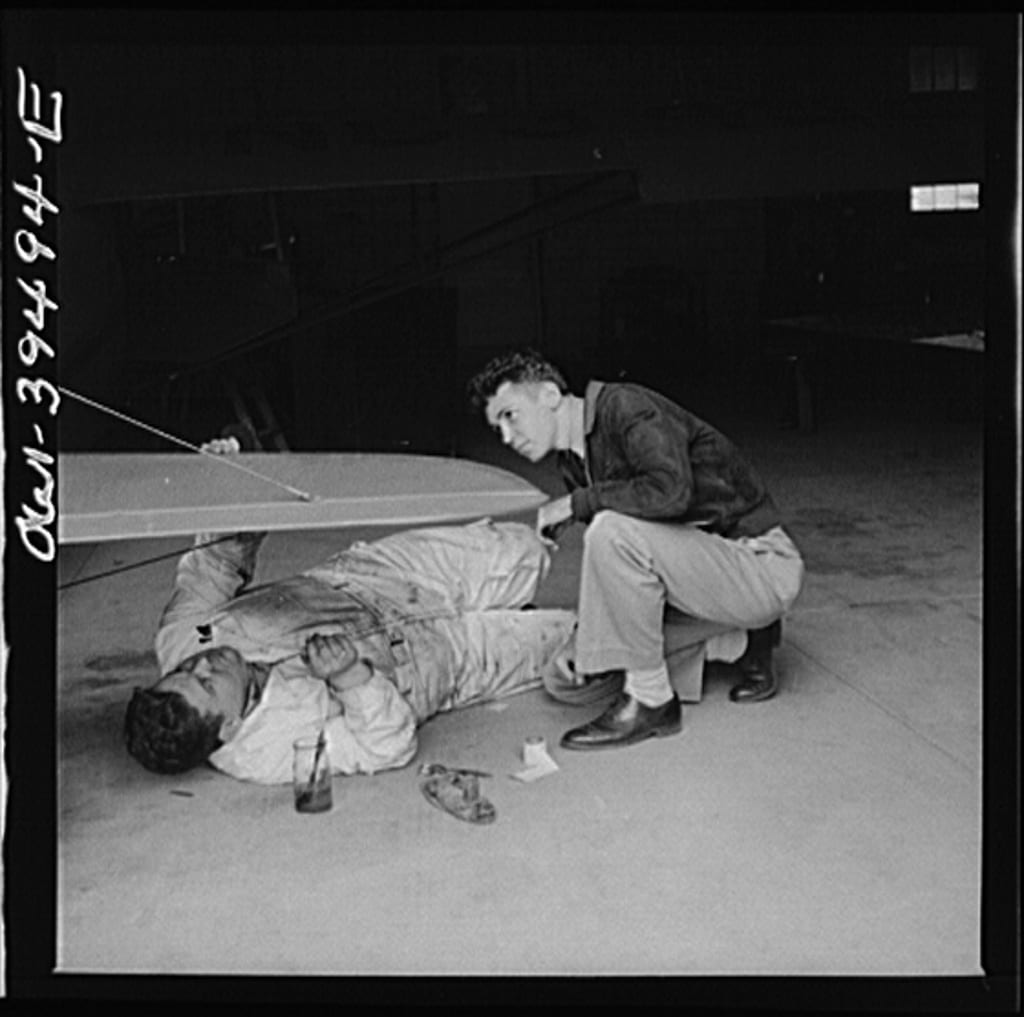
(227, 194)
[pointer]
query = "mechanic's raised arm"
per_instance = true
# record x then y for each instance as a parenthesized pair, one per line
(217, 568)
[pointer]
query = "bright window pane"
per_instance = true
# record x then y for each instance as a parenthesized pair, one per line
(945, 196)
(922, 199)
(968, 196)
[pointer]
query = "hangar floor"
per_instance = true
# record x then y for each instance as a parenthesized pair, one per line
(833, 830)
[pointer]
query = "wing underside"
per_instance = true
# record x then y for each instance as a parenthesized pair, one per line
(116, 496)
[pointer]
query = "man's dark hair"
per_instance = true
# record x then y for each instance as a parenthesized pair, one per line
(516, 366)
(167, 734)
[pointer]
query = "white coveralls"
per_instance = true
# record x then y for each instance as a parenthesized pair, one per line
(436, 612)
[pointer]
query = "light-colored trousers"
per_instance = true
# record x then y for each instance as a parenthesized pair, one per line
(454, 594)
(654, 593)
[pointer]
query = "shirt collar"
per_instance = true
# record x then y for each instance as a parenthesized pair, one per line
(258, 676)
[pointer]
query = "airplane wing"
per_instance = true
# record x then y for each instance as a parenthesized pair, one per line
(123, 495)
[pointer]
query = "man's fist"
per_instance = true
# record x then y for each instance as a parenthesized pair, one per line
(553, 518)
(333, 659)
(221, 446)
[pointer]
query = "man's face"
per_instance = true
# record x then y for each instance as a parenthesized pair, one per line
(214, 681)
(524, 416)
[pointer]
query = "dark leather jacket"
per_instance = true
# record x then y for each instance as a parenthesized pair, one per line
(648, 457)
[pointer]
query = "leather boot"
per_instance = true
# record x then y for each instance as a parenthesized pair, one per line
(758, 681)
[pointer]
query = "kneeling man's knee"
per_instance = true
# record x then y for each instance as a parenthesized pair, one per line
(606, 526)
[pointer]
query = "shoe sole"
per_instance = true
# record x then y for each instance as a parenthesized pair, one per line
(756, 698)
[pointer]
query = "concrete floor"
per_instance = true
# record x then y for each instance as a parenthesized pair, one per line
(833, 830)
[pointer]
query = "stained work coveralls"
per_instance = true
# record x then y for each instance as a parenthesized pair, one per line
(436, 612)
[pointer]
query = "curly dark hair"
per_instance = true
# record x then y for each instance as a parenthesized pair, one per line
(167, 734)
(517, 366)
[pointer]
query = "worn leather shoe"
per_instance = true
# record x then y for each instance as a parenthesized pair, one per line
(758, 681)
(626, 722)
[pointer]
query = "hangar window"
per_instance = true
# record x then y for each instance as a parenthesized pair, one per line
(945, 197)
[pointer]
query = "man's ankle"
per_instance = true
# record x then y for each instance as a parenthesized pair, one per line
(649, 686)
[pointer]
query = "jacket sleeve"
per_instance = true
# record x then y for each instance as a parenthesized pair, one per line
(207, 576)
(660, 480)
(376, 730)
